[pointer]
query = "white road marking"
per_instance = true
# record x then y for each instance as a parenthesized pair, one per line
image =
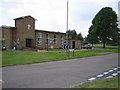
(91, 79)
(100, 75)
(1, 81)
(105, 72)
(110, 70)
(109, 77)
(114, 74)
(115, 69)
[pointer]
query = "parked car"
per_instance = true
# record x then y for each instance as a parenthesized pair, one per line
(86, 47)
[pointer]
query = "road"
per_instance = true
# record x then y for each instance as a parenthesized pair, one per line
(58, 74)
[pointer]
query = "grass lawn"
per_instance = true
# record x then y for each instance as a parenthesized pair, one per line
(22, 57)
(56, 50)
(107, 46)
(0, 57)
(103, 83)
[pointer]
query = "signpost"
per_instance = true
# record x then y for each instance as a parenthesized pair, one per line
(65, 44)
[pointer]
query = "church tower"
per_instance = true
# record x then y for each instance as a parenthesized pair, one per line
(25, 32)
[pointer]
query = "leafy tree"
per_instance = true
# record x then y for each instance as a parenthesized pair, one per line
(73, 33)
(92, 36)
(80, 37)
(105, 25)
(114, 39)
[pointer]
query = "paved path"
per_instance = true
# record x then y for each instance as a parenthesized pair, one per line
(58, 74)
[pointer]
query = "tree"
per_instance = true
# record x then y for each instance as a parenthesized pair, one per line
(73, 33)
(92, 36)
(105, 24)
(80, 37)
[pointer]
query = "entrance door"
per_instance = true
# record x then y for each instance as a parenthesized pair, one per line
(28, 43)
(73, 44)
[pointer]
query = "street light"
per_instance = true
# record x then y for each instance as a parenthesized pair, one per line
(67, 30)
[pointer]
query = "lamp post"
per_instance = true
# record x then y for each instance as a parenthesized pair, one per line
(119, 14)
(118, 21)
(67, 31)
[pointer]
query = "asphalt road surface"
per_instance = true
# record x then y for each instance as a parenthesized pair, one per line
(58, 74)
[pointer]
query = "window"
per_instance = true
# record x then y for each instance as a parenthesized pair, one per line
(28, 26)
(79, 43)
(39, 39)
(62, 40)
(55, 39)
(3, 43)
(47, 39)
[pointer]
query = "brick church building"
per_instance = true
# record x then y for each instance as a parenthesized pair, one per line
(24, 35)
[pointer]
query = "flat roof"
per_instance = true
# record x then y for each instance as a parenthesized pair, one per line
(4, 26)
(50, 31)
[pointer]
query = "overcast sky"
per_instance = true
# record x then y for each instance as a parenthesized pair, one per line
(51, 14)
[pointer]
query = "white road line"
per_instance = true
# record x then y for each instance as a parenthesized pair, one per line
(109, 77)
(1, 81)
(100, 75)
(114, 74)
(115, 69)
(105, 72)
(110, 70)
(91, 79)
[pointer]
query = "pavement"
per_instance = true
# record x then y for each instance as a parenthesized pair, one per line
(58, 74)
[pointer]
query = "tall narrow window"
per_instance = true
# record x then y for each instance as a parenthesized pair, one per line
(28, 26)
(62, 40)
(55, 39)
(47, 39)
(39, 38)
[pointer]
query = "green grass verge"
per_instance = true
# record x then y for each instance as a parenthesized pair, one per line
(22, 57)
(56, 50)
(103, 83)
(107, 46)
(0, 57)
